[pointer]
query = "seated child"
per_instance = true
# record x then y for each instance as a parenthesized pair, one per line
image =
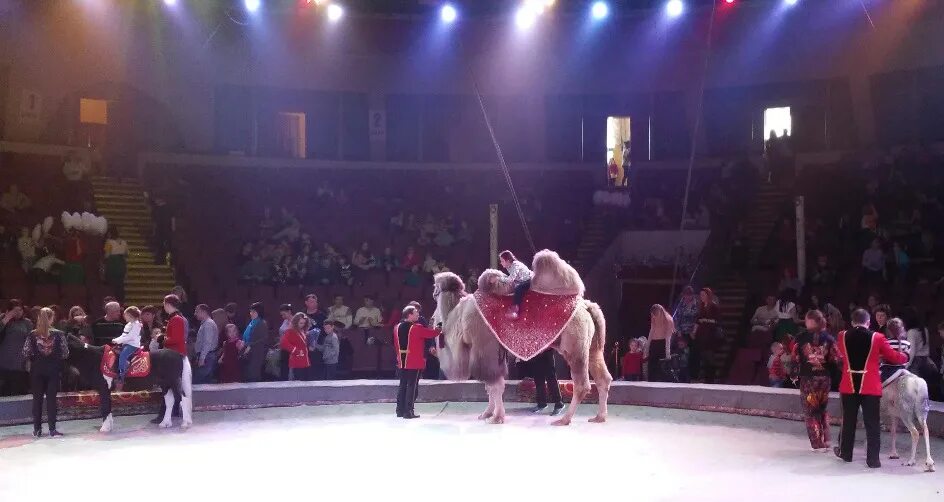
(131, 339)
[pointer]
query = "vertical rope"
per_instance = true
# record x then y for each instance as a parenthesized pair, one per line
(691, 155)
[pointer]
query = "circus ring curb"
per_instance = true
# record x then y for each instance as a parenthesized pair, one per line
(735, 399)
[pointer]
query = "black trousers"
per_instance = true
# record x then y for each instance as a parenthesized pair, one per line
(45, 384)
(520, 290)
(406, 395)
(545, 378)
(870, 416)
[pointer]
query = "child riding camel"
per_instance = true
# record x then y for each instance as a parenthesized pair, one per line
(519, 277)
(131, 338)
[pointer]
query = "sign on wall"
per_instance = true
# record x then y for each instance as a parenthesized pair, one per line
(378, 125)
(31, 107)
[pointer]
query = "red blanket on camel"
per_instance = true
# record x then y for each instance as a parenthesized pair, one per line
(541, 318)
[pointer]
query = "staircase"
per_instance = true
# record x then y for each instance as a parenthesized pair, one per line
(732, 288)
(122, 203)
(592, 243)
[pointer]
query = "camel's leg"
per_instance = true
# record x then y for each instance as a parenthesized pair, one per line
(168, 409)
(490, 410)
(893, 428)
(498, 391)
(929, 462)
(603, 379)
(581, 377)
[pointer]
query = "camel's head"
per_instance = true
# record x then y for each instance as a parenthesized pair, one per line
(490, 282)
(448, 290)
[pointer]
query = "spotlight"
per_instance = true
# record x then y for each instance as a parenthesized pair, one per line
(448, 13)
(170, 3)
(675, 7)
(600, 10)
(252, 5)
(791, 2)
(335, 12)
(728, 1)
(525, 17)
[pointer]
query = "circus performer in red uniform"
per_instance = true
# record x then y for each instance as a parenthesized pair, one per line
(861, 385)
(409, 340)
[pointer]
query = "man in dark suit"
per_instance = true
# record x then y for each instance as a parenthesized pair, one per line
(409, 341)
(544, 373)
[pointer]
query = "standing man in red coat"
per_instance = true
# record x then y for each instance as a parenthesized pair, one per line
(409, 338)
(861, 385)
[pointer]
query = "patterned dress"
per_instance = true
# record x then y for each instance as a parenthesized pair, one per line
(815, 351)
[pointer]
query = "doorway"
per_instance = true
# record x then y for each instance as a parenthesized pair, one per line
(618, 150)
(779, 122)
(291, 135)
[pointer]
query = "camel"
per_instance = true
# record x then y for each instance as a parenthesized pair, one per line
(473, 351)
(906, 399)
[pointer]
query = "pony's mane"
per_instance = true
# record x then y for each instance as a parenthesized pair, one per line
(554, 276)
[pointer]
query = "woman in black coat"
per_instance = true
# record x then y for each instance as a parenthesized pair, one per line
(45, 349)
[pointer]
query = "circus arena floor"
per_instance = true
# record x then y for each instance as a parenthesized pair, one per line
(361, 452)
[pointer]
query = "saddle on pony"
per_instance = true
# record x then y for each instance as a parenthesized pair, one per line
(138, 367)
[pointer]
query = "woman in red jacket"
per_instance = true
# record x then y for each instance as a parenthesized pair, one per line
(295, 342)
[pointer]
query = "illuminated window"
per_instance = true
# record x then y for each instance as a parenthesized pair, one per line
(778, 121)
(93, 111)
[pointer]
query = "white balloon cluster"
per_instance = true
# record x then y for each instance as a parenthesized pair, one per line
(84, 222)
(611, 198)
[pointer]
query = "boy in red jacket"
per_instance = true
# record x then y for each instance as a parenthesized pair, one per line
(861, 385)
(175, 337)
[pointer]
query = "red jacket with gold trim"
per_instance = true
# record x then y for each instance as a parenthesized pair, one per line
(408, 342)
(862, 351)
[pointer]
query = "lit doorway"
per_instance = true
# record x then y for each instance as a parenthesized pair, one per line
(779, 122)
(618, 142)
(291, 134)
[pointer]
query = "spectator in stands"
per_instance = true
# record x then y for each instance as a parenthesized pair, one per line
(388, 261)
(790, 282)
(27, 248)
(286, 312)
(75, 168)
(294, 344)
(706, 333)
(368, 316)
(444, 237)
(765, 318)
(815, 353)
(14, 200)
(47, 268)
(282, 270)
(73, 272)
(363, 259)
(315, 314)
(873, 265)
(465, 232)
(919, 339)
(229, 359)
(340, 312)
(232, 312)
(256, 270)
(330, 348)
(116, 261)
(775, 370)
(880, 316)
(256, 340)
(413, 278)
(658, 346)
(396, 222)
(410, 259)
(291, 228)
(788, 317)
(76, 324)
(902, 263)
(163, 228)
(631, 363)
(208, 341)
(109, 327)
(687, 312)
(267, 223)
(345, 272)
(823, 274)
(245, 254)
(45, 348)
(14, 329)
